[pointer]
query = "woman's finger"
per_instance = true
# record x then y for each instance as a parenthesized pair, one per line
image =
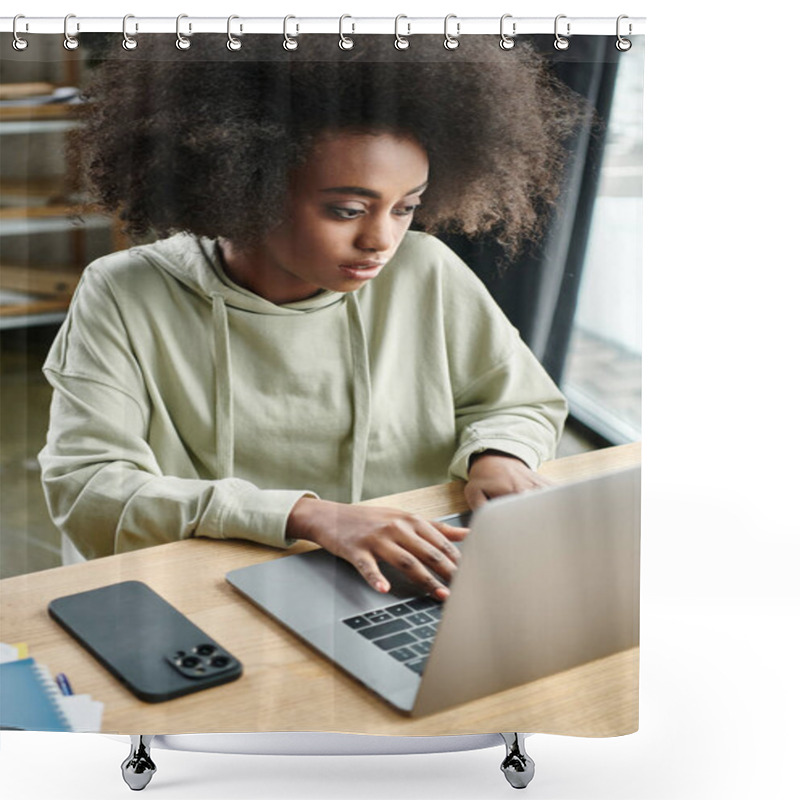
(443, 536)
(414, 569)
(368, 568)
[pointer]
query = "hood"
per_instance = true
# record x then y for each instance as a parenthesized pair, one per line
(196, 263)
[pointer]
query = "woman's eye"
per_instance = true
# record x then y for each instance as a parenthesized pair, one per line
(345, 213)
(406, 211)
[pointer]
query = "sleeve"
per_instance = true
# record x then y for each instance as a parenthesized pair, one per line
(102, 481)
(504, 399)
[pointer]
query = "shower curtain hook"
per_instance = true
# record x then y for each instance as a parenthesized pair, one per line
(70, 42)
(401, 42)
(345, 42)
(182, 43)
(561, 43)
(451, 41)
(506, 41)
(289, 42)
(19, 43)
(233, 42)
(128, 41)
(623, 44)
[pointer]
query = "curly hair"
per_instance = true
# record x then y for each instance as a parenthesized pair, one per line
(205, 140)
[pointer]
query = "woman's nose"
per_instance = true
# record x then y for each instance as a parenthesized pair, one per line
(376, 235)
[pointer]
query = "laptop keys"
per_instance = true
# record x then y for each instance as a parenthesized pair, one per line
(417, 666)
(401, 609)
(403, 654)
(356, 622)
(399, 639)
(423, 603)
(378, 616)
(404, 630)
(384, 629)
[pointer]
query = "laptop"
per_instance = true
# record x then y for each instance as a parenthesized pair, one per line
(548, 580)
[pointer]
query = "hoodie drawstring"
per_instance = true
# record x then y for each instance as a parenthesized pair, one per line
(361, 395)
(361, 392)
(223, 387)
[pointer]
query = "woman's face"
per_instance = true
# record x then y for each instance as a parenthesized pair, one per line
(348, 208)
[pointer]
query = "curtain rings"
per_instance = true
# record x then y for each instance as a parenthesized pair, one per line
(70, 42)
(506, 40)
(181, 42)
(128, 41)
(561, 42)
(623, 44)
(19, 43)
(289, 42)
(345, 42)
(401, 42)
(451, 41)
(234, 43)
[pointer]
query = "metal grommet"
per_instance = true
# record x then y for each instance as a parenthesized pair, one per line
(401, 42)
(622, 44)
(506, 41)
(289, 42)
(70, 42)
(182, 43)
(234, 43)
(451, 42)
(345, 42)
(561, 43)
(128, 42)
(19, 43)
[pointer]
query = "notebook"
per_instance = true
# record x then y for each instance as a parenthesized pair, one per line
(548, 580)
(29, 698)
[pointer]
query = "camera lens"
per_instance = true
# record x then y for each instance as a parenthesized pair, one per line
(205, 649)
(190, 662)
(220, 661)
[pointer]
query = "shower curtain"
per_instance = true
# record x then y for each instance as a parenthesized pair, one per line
(309, 264)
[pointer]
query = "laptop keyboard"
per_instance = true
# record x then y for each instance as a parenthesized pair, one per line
(404, 630)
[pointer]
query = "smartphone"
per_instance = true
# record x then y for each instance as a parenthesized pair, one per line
(141, 639)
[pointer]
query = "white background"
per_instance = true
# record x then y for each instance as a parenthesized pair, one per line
(719, 674)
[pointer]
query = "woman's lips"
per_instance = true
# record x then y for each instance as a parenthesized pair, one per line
(362, 271)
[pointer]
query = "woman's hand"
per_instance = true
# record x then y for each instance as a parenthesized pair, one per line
(493, 474)
(362, 535)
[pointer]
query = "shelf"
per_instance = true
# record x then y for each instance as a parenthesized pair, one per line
(45, 212)
(28, 226)
(54, 282)
(43, 187)
(22, 91)
(35, 307)
(20, 310)
(29, 127)
(46, 111)
(33, 294)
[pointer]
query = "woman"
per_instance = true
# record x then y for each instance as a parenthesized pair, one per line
(288, 346)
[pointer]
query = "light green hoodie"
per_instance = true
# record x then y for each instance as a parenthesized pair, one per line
(185, 405)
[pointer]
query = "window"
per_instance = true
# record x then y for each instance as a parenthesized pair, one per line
(602, 378)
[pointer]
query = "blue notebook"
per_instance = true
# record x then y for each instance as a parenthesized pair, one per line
(29, 698)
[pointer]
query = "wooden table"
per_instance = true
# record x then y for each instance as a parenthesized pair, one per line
(286, 686)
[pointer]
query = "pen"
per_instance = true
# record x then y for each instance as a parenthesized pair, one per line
(63, 683)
